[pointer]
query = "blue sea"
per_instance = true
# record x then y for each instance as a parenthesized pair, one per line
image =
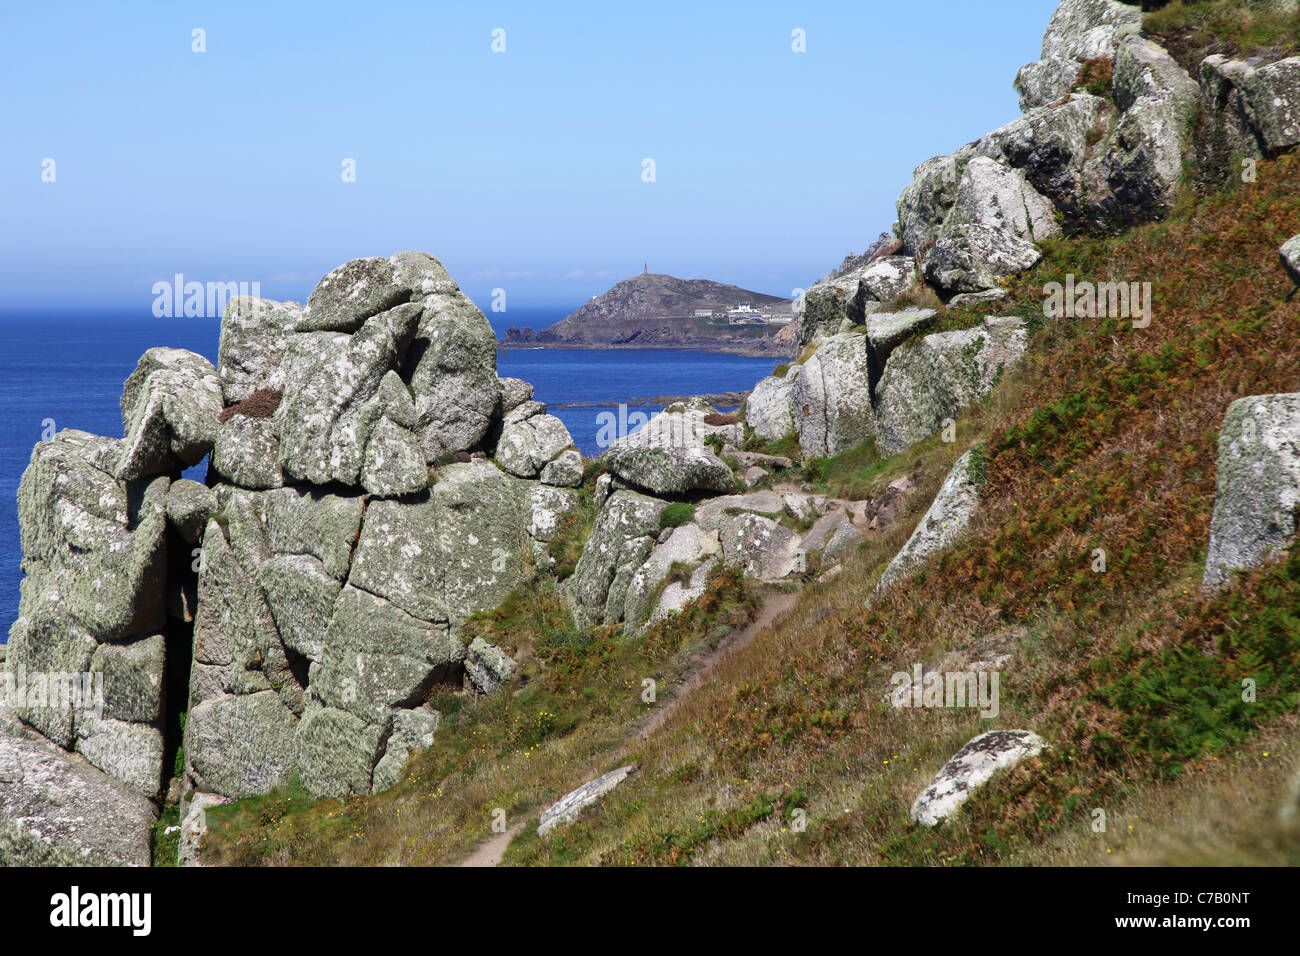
(65, 370)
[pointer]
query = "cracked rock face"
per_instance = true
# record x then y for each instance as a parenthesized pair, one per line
(969, 769)
(831, 398)
(1258, 490)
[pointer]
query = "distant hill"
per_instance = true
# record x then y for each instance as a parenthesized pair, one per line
(658, 311)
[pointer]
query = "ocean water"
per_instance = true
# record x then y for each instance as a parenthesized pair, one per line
(65, 370)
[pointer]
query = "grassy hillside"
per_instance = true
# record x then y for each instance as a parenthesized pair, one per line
(1106, 437)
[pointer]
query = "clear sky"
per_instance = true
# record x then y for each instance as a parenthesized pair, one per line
(521, 170)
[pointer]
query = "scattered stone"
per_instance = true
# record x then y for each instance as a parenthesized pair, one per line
(1290, 256)
(969, 769)
(669, 471)
(194, 827)
(570, 806)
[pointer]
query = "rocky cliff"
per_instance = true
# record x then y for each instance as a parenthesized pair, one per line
(374, 487)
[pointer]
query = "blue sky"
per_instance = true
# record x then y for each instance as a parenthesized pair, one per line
(520, 170)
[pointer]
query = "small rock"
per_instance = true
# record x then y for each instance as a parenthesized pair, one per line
(488, 666)
(970, 768)
(569, 806)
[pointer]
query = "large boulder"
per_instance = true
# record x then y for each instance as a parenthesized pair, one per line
(1080, 30)
(989, 232)
(1136, 171)
(622, 538)
(241, 745)
(925, 202)
(1258, 491)
(1257, 108)
(58, 810)
(945, 522)
(451, 368)
(969, 769)
(927, 382)
(768, 410)
(254, 336)
(687, 546)
(760, 546)
(332, 378)
(529, 442)
(831, 398)
(668, 471)
(170, 405)
(1050, 145)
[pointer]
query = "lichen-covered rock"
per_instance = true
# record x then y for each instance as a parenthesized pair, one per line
(132, 675)
(760, 546)
(768, 410)
(888, 330)
(570, 806)
(254, 336)
(925, 202)
(547, 508)
(58, 810)
(413, 732)
(1257, 108)
(945, 522)
(323, 416)
(831, 398)
(930, 381)
(669, 471)
(301, 595)
(170, 405)
(514, 392)
(358, 290)
(621, 540)
(1050, 145)
(888, 277)
(1290, 256)
(829, 308)
(1079, 30)
(92, 552)
(394, 463)
(682, 425)
(969, 769)
(126, 751)
(241, 744)
(528, 446)
(488, 667)
(975, 257)
(337, 752)
(1137, 169)
(989, 232)
(376, 657)
(677, 594)
(451, 368)
(686, 546)
(1258, 490)
(247, 453)
(564, 471)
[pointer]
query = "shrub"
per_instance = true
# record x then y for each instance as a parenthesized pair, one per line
(261, 404)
